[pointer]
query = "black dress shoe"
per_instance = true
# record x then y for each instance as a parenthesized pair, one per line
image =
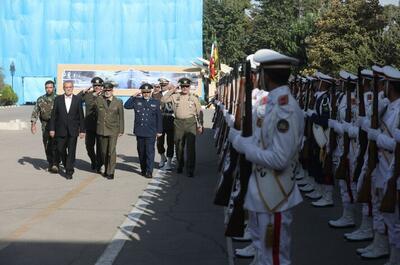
(179, 170)
(110, 176)
(98, 170)
(149, 176)
(68, 176)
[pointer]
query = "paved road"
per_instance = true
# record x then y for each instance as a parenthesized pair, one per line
(46, 219)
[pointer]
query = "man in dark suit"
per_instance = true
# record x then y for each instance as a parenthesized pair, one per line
(148, 126)
(66, 123)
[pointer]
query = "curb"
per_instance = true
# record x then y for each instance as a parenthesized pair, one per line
(8, 107)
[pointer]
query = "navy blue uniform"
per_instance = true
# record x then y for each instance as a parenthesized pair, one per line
(148, 122)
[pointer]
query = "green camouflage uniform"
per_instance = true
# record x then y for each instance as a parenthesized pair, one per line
(42, 111)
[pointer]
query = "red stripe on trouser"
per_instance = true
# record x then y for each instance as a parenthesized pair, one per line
(277, 238)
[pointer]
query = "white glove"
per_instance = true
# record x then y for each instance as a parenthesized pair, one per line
(360, 121)
(331, 123)
(310, 112)
(397, 135)
(241, 143)
(373, 134)
(366, 124)
(232, 134)
(346, 126)
(230, 120)
(338, 128)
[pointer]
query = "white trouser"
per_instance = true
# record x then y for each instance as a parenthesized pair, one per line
(377, 196)
(347, 191)
(392, 222)
(279, 253)
(253, 229)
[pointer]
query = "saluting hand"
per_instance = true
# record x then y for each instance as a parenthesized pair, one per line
(33, 128)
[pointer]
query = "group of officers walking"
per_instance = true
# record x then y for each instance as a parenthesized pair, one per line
(308, 134)
(165, 111)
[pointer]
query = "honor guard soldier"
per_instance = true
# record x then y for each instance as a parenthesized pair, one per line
(168, 128)
(91, 139)
(148, 126)
(384, 136)
(187, 123)
(110, 126)
(319, 117)
(42, 111)
(272, 149)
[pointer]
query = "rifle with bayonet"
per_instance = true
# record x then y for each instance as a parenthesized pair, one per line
(362, 135)
(223, 134)
(364, 195)
(310, 102)
(224, 189)
(235, 226)
(221, 121)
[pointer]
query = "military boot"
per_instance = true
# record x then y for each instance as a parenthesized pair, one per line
(364, 232)
(347, 218)
(380, 247)
(316, 193)
(168, 165)
(247, 252)
(162, 161)
(326, 199)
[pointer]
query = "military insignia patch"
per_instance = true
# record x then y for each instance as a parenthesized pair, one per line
(283, 100)
(282, 126)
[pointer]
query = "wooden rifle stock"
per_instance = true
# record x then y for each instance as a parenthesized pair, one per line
(342, 171)
(328, 163)
(235, 226)
(224, 189)
(362, 135)
(364, 195)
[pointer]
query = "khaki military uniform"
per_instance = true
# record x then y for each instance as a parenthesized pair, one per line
(91, 137)
(42, 111)
(187, 111)
(110, 123)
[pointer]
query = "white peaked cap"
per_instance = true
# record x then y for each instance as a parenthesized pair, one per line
(346, 75)
(391, 73)
(272, 59)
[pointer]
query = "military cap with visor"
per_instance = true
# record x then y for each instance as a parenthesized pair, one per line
(108, 86)
(97, 81)
(146, 88)
(184, 82)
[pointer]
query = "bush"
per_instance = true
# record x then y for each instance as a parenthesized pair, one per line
(8, 96)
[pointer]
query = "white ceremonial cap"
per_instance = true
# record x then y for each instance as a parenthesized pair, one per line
(253, 63)
(391, 73)
(378, 69)
(346, 75)
(367, 73)
(274, 60)
(323, 77)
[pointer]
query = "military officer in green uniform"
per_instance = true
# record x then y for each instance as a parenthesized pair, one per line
(110, 126)
(91, 139)
(187, 123)
(42, 111)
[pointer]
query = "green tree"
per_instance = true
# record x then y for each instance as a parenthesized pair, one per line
(343, 35)
(7, 96)
(1, 78)
(228, 21)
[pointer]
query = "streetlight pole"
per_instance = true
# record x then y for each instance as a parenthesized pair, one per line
(12, 71)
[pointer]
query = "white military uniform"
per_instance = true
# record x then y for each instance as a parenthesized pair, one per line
(272, 191)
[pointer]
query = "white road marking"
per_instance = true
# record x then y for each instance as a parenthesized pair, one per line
(132, 220)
